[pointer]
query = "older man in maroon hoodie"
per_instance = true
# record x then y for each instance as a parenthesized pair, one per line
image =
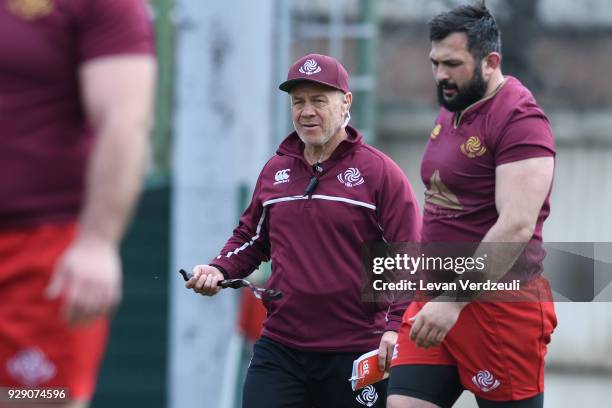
(316, 202)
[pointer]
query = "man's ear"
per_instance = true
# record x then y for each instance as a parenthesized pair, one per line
(348, 99)
(490, 64)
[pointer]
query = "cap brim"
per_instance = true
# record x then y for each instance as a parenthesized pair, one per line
(288, 85)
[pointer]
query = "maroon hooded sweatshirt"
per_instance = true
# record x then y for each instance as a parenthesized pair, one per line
(315, 242)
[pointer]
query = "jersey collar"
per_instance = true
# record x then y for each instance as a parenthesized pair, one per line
(474, 107)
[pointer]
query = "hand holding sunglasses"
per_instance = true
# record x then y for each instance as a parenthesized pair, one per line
(260, 293)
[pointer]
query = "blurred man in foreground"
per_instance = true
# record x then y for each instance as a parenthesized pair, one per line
(76, 96)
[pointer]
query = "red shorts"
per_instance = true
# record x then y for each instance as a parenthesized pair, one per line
(497, 347)
(37, 347)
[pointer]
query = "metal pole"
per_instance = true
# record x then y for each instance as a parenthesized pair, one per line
(336, 28)
(367, 67)
(283, 37)
(162, 131)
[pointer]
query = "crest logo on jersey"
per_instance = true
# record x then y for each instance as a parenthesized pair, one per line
(368, 396)
(485, 381)
(435, 132)
(351, 177)
(282, 176)
(440, 195)
(310, 67)
(30, 367)
(473, 147)
(30, 9)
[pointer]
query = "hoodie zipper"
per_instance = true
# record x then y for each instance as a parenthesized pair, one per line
(314, 180)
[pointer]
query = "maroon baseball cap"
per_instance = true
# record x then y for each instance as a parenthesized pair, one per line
(317, 68)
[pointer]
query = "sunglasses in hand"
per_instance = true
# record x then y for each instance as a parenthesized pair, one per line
(260, 293)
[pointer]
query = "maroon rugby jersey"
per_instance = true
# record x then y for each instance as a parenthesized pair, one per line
(458, 166)
(44, 137)
(315, 242)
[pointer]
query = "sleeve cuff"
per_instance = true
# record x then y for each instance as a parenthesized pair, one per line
(393, 324)
(223, 271)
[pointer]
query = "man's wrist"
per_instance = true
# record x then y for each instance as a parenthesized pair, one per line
(453, 297)
(220, 269)
(89, 237)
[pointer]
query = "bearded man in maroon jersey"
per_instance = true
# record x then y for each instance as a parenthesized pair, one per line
(488, 169)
